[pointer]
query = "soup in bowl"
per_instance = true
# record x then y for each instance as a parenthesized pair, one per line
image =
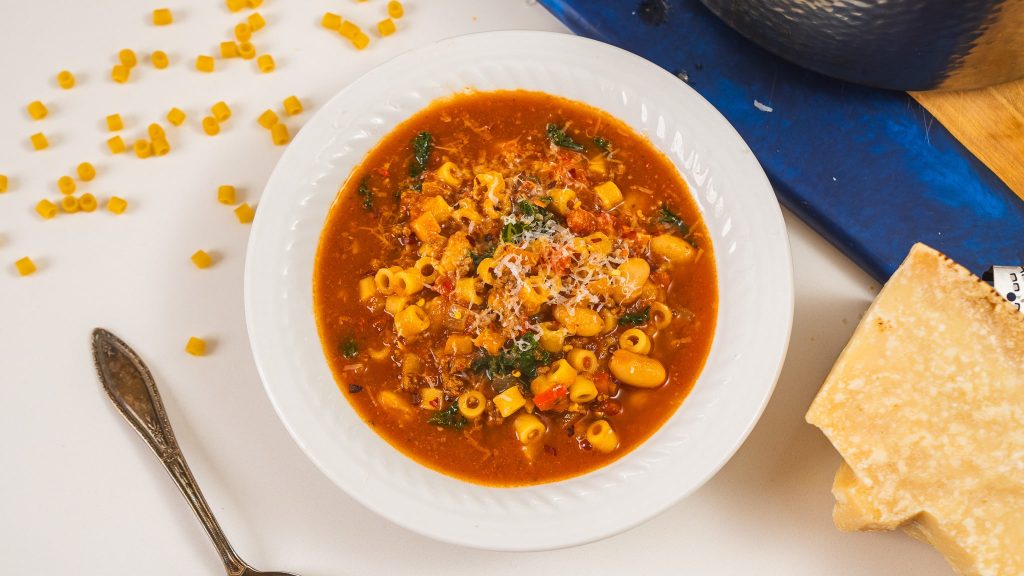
(514, 288)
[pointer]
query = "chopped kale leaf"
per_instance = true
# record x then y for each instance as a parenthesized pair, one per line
(558, 137)
(367, 195)
(449, 418)
(638, 318)
(349, 348)
(422, 145)
(523, 355)
(479, 255)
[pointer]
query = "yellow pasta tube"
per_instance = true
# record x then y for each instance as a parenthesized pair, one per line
(66, 80)
(562, 200)
(458, 345)
(660, 315)
(582, 360)
(114, 122)
(46, 209)
(331, 21)
(465, 292)
(117, 205)
(245, 213)
(562, 373)
(485, 270)
(66, 185)
(598, 243)
(489, 340)
(582, 390)
(39, 141)
(292, 105)
(635, 340)
(394, 401)
(116, 145)
(386, 27)
(87, 202)
(162, 17)
(69, 204)
(279, 134)
(608, 195)
(529, 428)
(449, 174)
(221, 111)
(86, 171)
(411, 322)
(25, 266)
(431, 398)
(385, 280)
(552, 336)
(195, 346)
(246, 50)
(159, 59)
(127, 57)
(266, 63)
(268, 119)
(425, 227)
(120, 73)
(472, 404)
(367, 288)
(394, 304)
(602, 437)
(204, 63)
(37, 110)
(407, 282)
(493, 183)
(509, 401)
(438, 208)
(427, 269)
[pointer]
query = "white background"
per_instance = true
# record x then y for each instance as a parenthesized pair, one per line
(81, 494)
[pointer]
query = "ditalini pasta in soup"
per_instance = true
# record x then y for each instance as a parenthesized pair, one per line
(514, 288)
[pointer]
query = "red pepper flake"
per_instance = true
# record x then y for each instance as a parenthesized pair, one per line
(548, 449)
(382, 171)
(354, 388)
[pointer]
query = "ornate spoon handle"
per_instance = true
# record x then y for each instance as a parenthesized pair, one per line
(132, 390)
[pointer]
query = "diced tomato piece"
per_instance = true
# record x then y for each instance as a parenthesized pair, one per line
(548, 398)
(445, 285)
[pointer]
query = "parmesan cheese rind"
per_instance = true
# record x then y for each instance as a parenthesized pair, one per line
(926, 406)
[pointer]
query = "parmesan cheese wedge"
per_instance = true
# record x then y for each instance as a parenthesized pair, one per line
(926, 406)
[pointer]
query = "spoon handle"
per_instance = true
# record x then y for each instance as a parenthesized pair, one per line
(131, 388)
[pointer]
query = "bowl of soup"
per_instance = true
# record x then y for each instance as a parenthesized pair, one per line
(518, 290)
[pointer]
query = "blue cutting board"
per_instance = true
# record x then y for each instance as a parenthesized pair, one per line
(870, 170)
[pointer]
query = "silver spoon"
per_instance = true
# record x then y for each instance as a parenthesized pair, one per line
(132, 390)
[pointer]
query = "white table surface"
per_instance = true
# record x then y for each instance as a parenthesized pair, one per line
(81, 494)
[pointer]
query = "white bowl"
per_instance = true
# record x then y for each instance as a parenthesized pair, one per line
(754, 276)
